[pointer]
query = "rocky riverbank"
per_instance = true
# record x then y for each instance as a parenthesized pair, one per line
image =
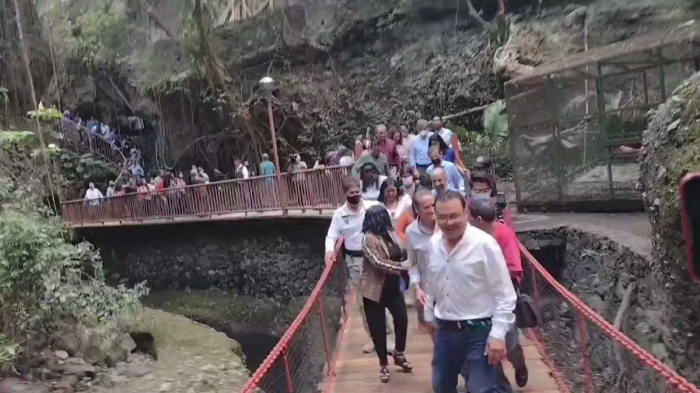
(164, 353)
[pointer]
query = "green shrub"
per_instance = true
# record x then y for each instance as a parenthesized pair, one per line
(47, 282)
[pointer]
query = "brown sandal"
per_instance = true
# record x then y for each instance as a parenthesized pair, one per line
(384, 374)
(400, 360)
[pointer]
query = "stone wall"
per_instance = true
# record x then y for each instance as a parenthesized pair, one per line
(276, 259)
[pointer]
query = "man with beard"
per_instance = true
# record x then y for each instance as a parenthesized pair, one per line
(347, 222)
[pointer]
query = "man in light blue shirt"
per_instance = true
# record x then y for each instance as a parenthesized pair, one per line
(455, 180)
(419, 156)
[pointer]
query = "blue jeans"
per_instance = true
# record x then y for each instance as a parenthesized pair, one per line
(466, 347)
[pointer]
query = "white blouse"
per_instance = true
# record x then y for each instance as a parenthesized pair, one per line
(372, 192)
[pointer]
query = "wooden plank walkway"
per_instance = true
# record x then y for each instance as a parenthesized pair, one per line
(357, 372)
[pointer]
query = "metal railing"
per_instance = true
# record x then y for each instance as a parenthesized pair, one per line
(306, 352)
(81, 139)
(584, 351)
(310, 189)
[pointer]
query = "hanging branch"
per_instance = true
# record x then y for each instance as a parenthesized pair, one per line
(27, 67)
(216, 73)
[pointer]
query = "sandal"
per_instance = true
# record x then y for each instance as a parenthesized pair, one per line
(384, 374)
(400, 360)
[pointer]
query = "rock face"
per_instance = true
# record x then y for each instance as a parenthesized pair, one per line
(274, 259)
(600, 272)
(670, 150)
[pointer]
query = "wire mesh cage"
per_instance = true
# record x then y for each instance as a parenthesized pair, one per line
(576, 125)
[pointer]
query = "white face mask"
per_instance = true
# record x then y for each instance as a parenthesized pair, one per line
(481, 196)
(423, 133)
(407, 181)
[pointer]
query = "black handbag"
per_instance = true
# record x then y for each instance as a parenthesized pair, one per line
(525, 314)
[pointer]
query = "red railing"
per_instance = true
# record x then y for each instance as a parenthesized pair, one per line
(311, 189)
(585, 352)
(305, 353)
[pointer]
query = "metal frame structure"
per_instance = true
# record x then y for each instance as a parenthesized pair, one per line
(576, 124)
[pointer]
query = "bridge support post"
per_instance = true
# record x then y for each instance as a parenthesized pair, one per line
(288, 371)
(588, 378)
(330, 370)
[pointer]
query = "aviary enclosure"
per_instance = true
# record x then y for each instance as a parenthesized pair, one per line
(576, 125)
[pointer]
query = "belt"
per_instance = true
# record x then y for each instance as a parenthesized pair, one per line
(355, 253)
(482, 324)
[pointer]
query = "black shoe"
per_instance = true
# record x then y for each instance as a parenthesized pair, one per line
(521, 376)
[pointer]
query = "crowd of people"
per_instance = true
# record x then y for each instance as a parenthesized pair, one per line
(420, 230)
(393, 153)
(446, 241)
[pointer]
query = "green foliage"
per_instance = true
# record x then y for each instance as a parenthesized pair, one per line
(84, 168)
(45, 115)
(17, 138)
(492, 141)
(497, 33)
(8, 351)
(45, 280)
(98, 34)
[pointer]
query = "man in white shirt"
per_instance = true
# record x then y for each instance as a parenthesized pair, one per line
(93, 195)
(347, 222)
(471, 299)
(241, 170)
(418, 235)
(110, 189)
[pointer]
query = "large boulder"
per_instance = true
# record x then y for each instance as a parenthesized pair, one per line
(671, 149)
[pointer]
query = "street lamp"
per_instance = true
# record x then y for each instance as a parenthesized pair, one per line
(267, 84)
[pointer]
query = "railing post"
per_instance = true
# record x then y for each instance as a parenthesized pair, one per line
(536, 292)
(588, 378)
(325, 336)
(290, 384)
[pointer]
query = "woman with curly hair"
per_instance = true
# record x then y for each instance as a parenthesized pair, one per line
(385, 262)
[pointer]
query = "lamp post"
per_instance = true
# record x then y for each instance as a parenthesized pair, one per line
(267, 85)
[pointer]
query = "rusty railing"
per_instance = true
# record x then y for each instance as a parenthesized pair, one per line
(310, 189)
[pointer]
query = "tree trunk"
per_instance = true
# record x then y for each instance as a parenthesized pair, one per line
(30, 80)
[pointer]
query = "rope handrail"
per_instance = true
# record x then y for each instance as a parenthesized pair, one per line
(674, 379)
(291, 332)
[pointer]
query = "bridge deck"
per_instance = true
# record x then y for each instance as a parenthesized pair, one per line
(358, 372)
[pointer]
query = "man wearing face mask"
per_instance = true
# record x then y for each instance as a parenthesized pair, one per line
(418, 154)
(347, 222)
(483, 187)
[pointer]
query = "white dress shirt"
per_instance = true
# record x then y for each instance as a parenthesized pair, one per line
(93, 196)
(470, 282)
(348, 224)
(418, 250)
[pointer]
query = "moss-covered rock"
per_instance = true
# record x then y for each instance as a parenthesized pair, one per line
(672, 149)
(225, 311)
(191, 357)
